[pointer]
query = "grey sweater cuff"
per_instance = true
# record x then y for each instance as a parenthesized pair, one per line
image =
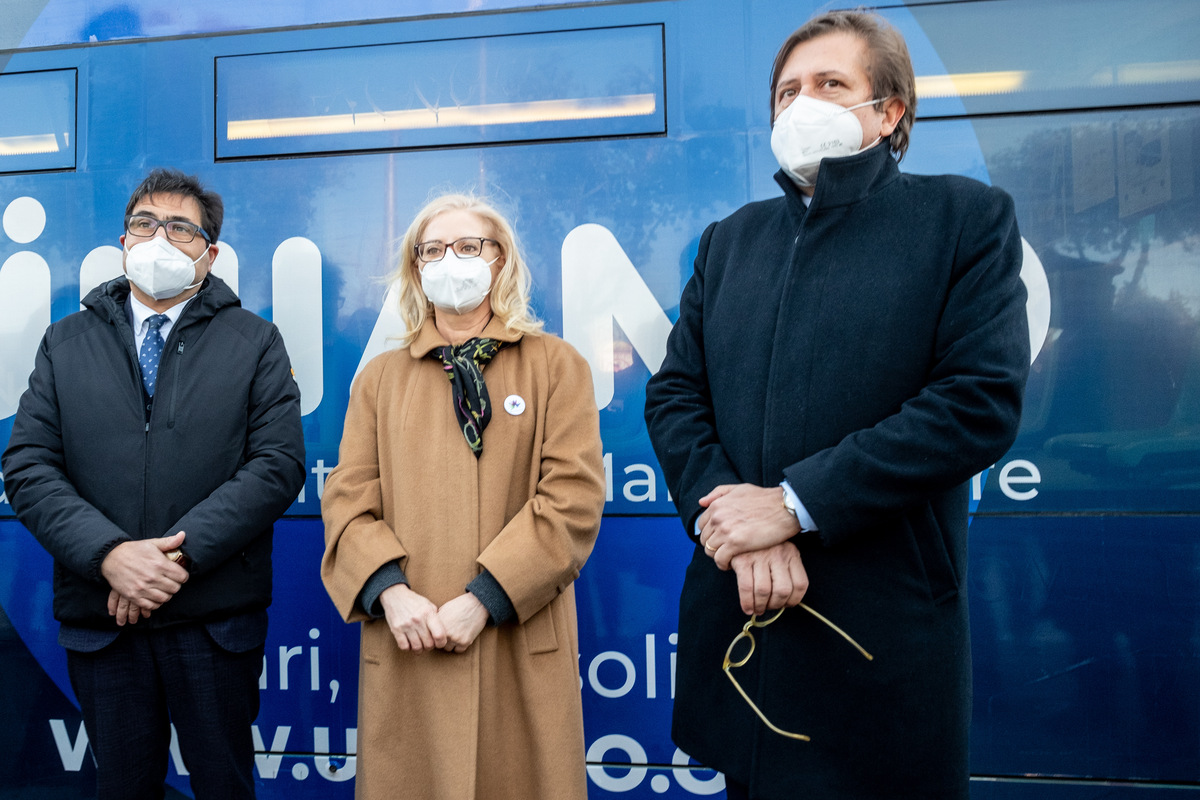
(388, 575)
(487, 590)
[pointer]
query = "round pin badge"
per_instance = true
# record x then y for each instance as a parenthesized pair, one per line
(514, 405)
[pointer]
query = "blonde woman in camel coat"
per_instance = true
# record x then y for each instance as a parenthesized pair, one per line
(460, 563)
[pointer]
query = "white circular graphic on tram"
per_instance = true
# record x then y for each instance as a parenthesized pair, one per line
(24, 220)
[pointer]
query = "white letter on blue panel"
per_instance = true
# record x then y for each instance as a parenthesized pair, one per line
(296, 295)
(99, 266)
(24, 316)
(600, 285)
(226, 265)
(388, 328)
(1037, 306)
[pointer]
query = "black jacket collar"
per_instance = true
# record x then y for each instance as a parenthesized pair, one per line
(108, 299)
(844, 181)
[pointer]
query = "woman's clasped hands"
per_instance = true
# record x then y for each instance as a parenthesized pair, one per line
(418, 625)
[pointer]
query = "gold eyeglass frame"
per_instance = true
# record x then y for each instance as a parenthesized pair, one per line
(755, 622)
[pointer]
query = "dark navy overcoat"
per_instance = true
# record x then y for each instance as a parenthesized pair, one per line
(872, 350)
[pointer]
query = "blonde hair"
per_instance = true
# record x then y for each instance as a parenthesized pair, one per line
(510, 292)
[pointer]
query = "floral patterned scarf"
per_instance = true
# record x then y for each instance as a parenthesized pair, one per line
(464, 365)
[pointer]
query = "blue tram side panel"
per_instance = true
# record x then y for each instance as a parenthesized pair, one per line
(651, 122)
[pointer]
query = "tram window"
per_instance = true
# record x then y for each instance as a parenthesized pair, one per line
(518, 88)
(37, 121)
(1033, 55)
(1109, 202)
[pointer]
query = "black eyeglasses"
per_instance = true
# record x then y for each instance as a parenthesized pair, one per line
(466, 247)
(178, 230)
(730, 663)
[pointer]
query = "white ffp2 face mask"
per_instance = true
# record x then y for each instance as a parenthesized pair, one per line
(160, 269)
(457, 284)
(811, 130)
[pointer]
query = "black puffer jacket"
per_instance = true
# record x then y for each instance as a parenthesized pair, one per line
(222, 456)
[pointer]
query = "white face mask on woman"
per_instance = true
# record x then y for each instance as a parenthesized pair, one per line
(457, 284)
(810, 130)
(160, 269)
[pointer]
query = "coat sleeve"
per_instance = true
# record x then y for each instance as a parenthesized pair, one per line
(967, 414)
(272, 472)
(679, 406)
(357, 539)
(73, 531)
(538, 554)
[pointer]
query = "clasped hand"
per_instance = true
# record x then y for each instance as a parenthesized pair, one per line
(747, 528)
(142, 577)
(740, 518)
(418, 625)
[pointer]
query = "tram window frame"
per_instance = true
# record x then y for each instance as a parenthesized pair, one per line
(38, 129)
(615, 87)
(1115, 56)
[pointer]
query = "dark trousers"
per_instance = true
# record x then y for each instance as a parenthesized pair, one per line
(130, 693)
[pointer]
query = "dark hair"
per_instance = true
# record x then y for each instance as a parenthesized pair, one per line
(172, 181)
(888, 63)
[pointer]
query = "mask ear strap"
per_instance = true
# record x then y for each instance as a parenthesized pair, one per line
(868, 103)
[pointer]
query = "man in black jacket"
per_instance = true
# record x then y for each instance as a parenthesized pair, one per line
(847, 356)
(158, 442)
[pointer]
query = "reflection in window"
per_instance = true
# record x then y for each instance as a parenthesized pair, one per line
(572, 84)
(37, 121)
(1109, 202)
(1022, 55)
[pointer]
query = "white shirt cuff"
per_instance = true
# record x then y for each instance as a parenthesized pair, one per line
(806, 520)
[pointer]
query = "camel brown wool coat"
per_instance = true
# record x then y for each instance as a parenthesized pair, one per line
(504, 719)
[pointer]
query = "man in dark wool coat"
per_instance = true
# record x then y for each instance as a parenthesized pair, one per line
(847, 356)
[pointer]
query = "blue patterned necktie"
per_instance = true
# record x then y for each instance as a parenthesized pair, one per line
(151, 352)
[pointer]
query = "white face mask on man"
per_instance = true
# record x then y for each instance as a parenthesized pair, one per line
(811, 130)
(457, 284)
(160, 269)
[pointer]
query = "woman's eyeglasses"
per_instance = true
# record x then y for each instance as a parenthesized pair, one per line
(466, 247)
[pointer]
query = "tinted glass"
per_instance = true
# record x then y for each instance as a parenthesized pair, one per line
(1108, 202)
(573, 84)
(1018, 55)
(37, 121)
